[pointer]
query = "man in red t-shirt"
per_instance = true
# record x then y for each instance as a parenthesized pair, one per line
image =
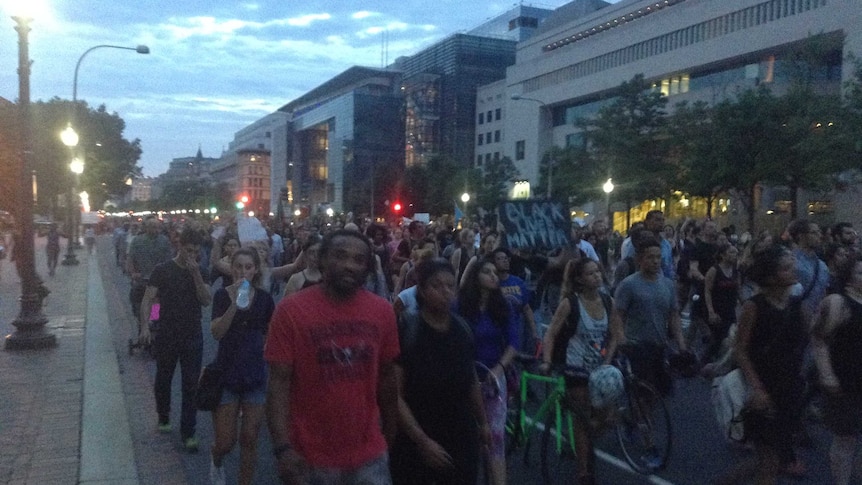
(332, 399)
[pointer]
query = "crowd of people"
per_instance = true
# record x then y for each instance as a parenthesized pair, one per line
(359, 343)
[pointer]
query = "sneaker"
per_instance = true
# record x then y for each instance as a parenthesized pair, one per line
(651, 459)
(191, 444)
(216, 474)
(164, 428)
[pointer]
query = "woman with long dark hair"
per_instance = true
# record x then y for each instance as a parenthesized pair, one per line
(576, 339)
(495, 329)
(440, 410)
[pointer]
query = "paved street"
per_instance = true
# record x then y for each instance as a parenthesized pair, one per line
(42, 394)
(699, 453)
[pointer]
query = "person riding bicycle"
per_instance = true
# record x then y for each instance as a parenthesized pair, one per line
(575, 339)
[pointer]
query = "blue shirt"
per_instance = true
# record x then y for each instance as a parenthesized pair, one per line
(491, 340)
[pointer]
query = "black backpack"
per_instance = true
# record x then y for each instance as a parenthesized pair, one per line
(558, 353)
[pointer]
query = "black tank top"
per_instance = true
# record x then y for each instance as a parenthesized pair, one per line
(844, 348)
(778, 339)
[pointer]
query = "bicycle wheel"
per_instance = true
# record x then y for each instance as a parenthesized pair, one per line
(557, 456)
(514, 433)
(644, 429)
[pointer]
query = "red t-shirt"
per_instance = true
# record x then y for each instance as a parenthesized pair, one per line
(336, 350)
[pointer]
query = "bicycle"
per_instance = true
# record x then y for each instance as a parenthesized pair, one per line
(642, 422)
(640, 419)
(552, 426)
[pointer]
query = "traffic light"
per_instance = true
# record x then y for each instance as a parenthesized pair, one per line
(242, 202)
(396, 207)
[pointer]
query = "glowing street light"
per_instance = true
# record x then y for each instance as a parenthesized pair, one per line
(608, 187)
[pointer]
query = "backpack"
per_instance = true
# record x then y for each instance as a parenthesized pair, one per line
(570, 327)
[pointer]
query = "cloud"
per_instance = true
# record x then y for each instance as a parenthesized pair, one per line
(364, 14)
(306, 20)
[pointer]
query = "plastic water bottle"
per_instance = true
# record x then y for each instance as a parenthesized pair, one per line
(242, 301)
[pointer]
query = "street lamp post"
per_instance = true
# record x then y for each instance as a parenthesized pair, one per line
(608, 187)
(30, 332)
(140, 49)
(543, 107)
(465, 197)
(70, 139)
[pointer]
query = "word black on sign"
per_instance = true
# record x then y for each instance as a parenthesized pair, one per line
(534, 224)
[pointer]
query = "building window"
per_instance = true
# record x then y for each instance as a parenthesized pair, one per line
(488, 116)
(481, 118)
(520, 149)
(487, 158)
(496, 156)
(478, 160)
(481, 139)
(488, 137)
(498, 114)
(497, 136)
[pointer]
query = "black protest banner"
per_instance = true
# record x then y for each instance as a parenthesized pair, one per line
(534, 224)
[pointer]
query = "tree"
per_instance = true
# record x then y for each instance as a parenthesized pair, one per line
(109, 158)
(813, 147)
(496, 178)
(746, 139)
(627, 140)
(435, 186)
(702, 172)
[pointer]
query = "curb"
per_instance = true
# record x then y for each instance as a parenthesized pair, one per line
(107, 454)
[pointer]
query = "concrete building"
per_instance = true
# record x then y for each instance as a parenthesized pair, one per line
(518, 23)
(339, 135)
(690, 49)
(190, 168)
(142, 189)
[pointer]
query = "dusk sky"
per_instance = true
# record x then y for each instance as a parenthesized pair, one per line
(215, 65)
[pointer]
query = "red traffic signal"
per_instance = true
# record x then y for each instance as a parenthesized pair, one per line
(244, 199)
(396, 207)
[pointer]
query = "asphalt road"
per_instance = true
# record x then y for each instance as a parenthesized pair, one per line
(699, 451)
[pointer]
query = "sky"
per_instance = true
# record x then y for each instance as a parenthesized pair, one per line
(215, 66)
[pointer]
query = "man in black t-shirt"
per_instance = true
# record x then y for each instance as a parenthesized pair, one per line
(181, 293)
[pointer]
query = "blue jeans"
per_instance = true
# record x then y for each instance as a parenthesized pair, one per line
(188, 352)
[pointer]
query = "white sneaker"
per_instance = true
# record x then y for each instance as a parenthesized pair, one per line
(216, 474)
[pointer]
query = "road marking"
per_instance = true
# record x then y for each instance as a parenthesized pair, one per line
(611, 459)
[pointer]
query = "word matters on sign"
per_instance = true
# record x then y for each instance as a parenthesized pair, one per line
(534, 224)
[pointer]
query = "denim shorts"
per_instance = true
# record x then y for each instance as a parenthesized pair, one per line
(254, 396)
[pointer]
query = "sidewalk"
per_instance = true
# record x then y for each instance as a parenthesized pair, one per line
(64, 417)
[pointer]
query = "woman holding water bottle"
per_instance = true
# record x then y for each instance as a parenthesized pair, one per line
(240, 317)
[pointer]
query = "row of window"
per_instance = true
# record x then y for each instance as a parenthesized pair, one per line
(756, 15)
(486, 138)
(520, 154)
(255, 182)
(497, 114)
(487, 158)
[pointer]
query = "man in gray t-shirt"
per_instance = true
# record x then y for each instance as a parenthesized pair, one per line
(644, 315)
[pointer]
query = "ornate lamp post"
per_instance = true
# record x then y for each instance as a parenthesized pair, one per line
(70, 139)
(30, 332)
